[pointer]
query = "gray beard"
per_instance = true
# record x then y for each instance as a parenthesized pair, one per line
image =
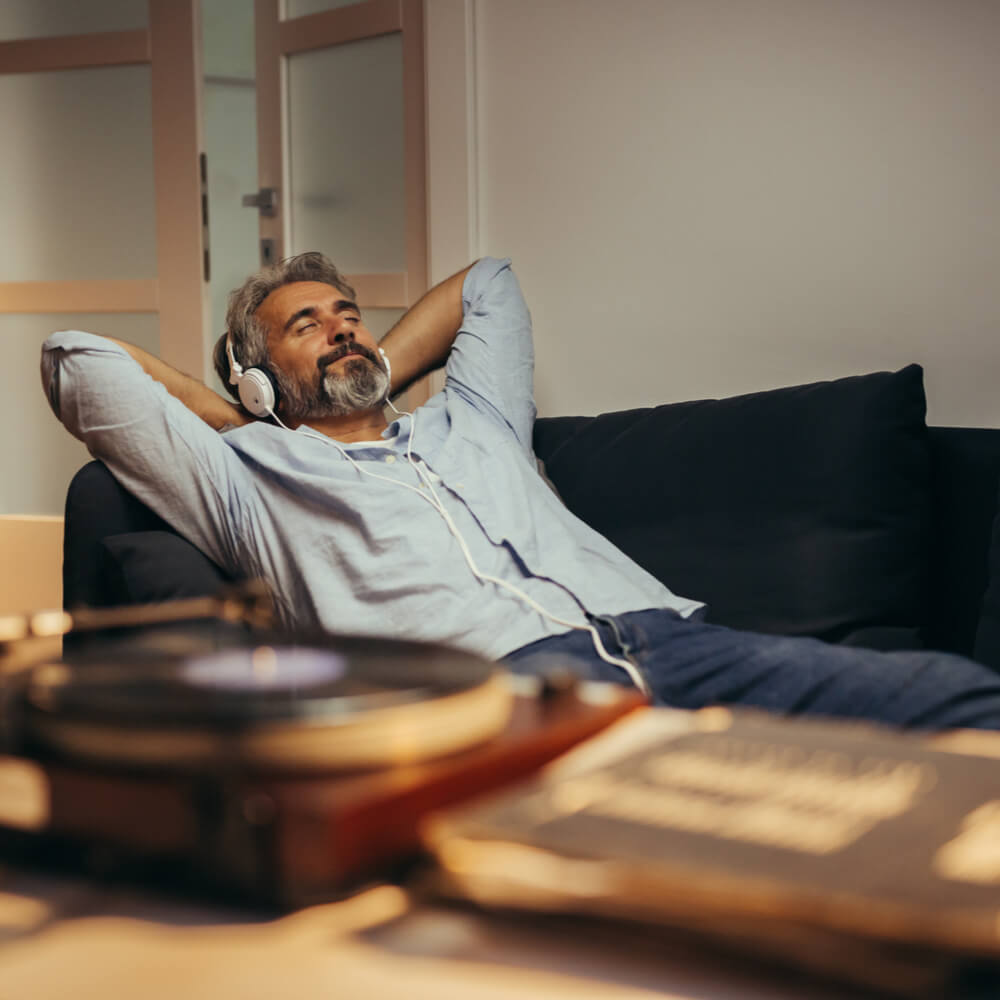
(360, 385)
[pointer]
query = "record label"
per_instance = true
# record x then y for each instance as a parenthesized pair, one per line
(264, 668)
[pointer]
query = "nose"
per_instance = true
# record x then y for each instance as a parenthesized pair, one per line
(338, 332)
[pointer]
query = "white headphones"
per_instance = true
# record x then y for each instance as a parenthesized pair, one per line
(256, 386)
(388, 371)
(258, 390)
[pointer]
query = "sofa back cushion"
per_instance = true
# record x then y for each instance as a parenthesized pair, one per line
(117, 551)
(797, 511)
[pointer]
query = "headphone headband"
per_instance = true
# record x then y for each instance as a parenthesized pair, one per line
(388, 372)
(235, 370)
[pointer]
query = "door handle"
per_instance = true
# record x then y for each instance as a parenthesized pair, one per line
(265, 201)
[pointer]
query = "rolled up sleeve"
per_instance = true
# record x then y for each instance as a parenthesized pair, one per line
(155, 447)
(492, 361)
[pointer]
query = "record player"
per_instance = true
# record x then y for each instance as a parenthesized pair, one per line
(196, 740)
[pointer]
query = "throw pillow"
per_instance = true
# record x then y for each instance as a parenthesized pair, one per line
(796, 511)
(149, 566)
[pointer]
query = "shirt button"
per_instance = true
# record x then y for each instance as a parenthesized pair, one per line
(390, 459)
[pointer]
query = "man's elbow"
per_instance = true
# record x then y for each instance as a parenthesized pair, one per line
(50, 378)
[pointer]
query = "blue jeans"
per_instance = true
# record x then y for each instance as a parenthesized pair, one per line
(690, 664)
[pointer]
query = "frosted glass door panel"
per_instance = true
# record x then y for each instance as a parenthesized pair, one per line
(227, 38)
(76, 175)
(38, 456)
(346, 154)
(45, 18)
(299, 8)
(231, 144)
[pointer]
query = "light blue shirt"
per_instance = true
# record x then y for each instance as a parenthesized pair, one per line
(351, 553)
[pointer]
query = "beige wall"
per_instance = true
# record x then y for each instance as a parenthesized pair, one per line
(705, 197)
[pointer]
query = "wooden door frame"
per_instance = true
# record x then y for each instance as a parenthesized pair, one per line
(370, 19)
(171, 47)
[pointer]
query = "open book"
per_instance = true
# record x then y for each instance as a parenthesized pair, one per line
(869, 854)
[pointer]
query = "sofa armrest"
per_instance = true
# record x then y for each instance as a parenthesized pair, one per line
(965, 472)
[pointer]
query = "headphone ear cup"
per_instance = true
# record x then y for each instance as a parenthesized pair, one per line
(388, 371)
(258, 392)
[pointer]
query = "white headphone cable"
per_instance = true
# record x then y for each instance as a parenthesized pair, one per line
(435, 501)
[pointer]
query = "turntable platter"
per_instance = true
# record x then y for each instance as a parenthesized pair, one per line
(343, 703)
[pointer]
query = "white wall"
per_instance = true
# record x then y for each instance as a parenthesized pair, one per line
(707, 197)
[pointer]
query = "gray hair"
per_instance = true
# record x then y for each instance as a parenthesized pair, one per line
(248, 333)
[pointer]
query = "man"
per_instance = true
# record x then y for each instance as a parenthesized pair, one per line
(437, 525)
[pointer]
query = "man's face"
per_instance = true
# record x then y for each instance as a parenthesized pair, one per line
(323, 356)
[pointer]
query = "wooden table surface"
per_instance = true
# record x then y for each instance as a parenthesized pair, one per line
(74, 939)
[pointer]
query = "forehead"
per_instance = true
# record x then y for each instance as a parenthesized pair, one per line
(287, 300)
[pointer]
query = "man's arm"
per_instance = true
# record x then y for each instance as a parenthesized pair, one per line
(157, 447)
(419, 343)
(215, 410)
(492, 362)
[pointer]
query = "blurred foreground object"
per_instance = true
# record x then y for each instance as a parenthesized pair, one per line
(870, 855)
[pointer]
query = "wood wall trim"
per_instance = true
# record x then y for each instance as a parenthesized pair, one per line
(380, 291)
(110, 48)
(342, 24)
(375, 291)
(129, 296)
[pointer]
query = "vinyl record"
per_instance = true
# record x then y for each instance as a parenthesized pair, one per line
(273, 703)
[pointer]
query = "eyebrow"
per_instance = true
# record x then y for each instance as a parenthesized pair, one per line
(341, 305)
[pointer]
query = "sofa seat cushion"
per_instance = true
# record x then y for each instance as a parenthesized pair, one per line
(796, 511)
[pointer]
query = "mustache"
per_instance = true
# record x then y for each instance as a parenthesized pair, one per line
(351, 347)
